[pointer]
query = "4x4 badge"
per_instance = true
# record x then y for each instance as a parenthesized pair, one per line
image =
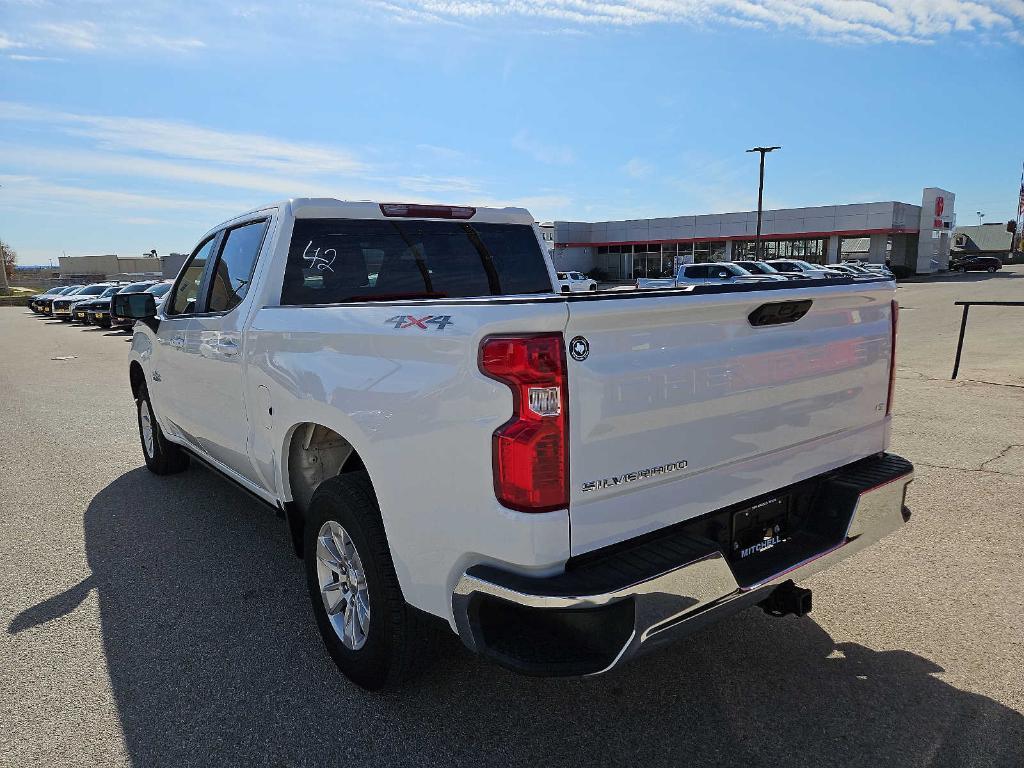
(411, 321)
(579, 348)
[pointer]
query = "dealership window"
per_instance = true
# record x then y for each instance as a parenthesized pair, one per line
(814, 250)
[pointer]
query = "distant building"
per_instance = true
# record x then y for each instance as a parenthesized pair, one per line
(982, 240)
(172, 263)
(109, 265)
(914, 237)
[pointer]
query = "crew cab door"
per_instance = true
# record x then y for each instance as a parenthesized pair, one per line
(169, 385)
(214, 348)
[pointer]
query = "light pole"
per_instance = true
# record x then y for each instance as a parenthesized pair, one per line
(981, 217)
(760, 195)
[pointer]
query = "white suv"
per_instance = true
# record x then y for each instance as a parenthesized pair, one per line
(575, 282)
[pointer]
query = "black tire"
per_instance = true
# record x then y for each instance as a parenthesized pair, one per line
(593, 288)
(165, 458)
(396, 629)
(991, 269)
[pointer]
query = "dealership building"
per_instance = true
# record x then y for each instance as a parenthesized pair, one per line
(917, 237)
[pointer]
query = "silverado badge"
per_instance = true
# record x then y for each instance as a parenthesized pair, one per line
(632, 477)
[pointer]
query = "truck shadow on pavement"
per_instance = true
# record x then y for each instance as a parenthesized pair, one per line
(215, 660)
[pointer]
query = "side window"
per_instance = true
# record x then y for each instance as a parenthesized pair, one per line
(183, 301)
(233, 271)
(696, 272)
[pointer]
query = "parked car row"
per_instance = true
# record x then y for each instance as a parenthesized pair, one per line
(733, 272)
(91, 304)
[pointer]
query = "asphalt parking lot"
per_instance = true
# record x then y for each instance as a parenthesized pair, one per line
(164, 621)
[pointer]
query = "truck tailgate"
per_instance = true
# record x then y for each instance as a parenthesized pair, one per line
(682, 406)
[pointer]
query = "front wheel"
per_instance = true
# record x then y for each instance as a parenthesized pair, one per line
(991, 269)
(162, 456)
(369, 630)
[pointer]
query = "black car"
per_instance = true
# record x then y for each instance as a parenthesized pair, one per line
(85, 311)
(976, 264)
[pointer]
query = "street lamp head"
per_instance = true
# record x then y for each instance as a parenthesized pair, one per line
(763, 149)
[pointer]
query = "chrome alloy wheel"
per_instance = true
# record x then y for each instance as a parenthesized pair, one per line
(343, 585)
(146, 424)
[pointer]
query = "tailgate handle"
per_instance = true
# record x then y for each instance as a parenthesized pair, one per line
(779, 312)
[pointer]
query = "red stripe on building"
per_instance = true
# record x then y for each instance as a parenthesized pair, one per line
(764, 237)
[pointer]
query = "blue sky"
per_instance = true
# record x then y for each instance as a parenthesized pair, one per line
(131, 126)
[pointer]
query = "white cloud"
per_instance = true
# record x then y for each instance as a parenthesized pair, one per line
(7, 42)
(33, 191)
(172, 138)
(27, 57)
(549, 154)
(65, 30)
(839, 20)
(80, 36)
(127, 165)
(638, 168)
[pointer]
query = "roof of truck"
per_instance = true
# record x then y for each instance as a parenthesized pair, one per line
(332, 208)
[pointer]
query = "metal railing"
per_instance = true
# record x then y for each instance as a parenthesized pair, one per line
(963, 324)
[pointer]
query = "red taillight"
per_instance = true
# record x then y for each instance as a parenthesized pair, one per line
(895, 317)
(531, 450)
(412, 210)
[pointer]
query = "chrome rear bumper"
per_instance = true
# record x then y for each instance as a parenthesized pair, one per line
(661, 589)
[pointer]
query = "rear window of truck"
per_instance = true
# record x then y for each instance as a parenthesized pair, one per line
(332, 261)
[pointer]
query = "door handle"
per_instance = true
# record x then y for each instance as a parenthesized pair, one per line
(227, 347)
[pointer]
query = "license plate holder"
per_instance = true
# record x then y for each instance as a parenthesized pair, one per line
(760, 527)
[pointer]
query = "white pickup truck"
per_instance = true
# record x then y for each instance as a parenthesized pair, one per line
(567, 480)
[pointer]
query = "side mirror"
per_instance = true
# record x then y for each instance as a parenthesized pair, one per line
(138, 306)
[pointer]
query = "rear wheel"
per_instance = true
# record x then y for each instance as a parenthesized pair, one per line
(162, 456)
(369, 630)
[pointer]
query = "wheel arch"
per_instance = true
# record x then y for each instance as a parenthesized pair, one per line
(313, 452)
(136, 378)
